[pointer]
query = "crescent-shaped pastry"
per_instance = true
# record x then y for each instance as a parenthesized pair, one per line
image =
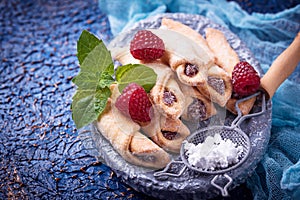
(166, 94)
(197, 106)
(167, 132)
(227, 58)
(189, 60)
(218, 88)
(165, 128)
(244, 106)
(217, 84)
(188, 32)
(125, 137)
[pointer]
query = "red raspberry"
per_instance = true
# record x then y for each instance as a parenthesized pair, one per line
(146, 46)
(134, 103)
(245, 80)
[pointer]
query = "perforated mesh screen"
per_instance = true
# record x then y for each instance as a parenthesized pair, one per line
(235, 135)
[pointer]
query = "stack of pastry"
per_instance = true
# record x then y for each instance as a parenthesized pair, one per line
(193, 75)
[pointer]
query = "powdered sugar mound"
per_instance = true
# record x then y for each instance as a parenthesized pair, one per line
(214, 153)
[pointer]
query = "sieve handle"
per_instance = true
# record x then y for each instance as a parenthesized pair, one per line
(240, 118)
(224, 190)
(165, 173)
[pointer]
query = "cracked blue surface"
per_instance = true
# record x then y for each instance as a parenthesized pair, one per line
(41, 154)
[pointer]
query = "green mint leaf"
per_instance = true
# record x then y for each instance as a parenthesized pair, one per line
(88, 104)
(101, 99)
(110, 69)
(106, 78)
(96, 76)
(86, 43)
(83, 108)
(97, 60)
(137, 73)
(86, 81)
(93, 80)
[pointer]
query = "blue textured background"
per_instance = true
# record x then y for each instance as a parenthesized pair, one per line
(41, 155)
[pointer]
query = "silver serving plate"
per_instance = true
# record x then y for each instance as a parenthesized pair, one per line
(191, 184)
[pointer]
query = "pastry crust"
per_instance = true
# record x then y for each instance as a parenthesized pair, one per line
(225, 56)
(126, 138)
(181, 51)
(201, 80)
(219, 45)
(165, 83)
(221, 95)
(198, 79)
(188, 32)
(165, 117)
(192, 94)
(166, 94)
(244, 106)
(161, 124)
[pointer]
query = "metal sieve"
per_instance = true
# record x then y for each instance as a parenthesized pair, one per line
(233, 132)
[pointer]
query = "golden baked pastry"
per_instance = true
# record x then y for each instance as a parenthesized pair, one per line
(166, 94)
(165, 128)
(244, 106)
(125, 137)
(227, 58)
(218, 88)
(167, 132)
(197, 106)
(185, 57)
(216, 84)
(187, 32)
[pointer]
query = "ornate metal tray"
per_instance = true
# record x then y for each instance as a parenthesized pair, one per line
(190, 185)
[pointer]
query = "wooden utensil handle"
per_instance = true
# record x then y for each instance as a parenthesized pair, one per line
(282, 67)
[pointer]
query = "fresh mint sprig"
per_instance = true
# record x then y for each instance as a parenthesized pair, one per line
(96, 75)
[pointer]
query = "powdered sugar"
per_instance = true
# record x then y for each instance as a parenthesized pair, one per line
(214, 153)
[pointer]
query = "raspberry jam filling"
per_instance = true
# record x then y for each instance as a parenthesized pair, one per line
(191, 69)
(169, 98)
(197, 110)
(217, 84)
(169, 135)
